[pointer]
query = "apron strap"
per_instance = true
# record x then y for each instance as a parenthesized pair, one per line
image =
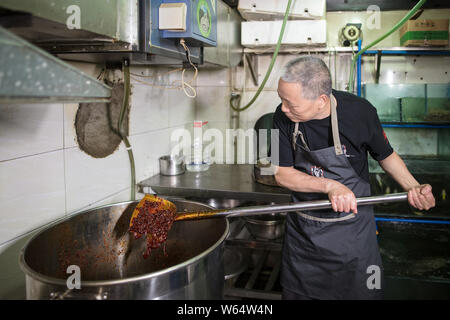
(334, 129)
(294, 138)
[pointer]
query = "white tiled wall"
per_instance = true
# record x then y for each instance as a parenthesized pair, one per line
(213, 94)
(29, 129)
(31, 193)
(45, 176)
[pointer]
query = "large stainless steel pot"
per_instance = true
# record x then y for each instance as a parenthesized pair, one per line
(111, 262)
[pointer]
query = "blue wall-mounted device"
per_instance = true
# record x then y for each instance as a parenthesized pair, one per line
(201, 23)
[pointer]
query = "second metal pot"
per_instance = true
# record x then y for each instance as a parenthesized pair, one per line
(269, 226)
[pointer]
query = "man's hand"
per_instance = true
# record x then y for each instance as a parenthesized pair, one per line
(342, 198)
(421, 197)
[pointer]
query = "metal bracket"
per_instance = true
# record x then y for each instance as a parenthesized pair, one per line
(377, 66)
(252, 62)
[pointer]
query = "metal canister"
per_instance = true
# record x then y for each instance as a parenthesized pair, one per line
(171, 165)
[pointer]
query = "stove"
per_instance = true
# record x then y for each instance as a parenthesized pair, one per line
(256, 275)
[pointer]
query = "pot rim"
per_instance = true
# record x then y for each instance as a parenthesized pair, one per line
(57, 281)
(264, 222)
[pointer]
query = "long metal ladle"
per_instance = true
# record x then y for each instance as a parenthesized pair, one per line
(264, 209)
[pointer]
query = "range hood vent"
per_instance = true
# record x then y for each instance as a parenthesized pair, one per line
(29, 74)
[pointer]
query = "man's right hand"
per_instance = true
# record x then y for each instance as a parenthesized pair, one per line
(342, 198)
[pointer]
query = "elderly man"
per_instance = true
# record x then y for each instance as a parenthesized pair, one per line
(324, 138)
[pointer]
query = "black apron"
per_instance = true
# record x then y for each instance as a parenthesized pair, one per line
(327, 254)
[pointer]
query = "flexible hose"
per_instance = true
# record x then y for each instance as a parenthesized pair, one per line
(126, 96)
(387, 34)
(272, 62)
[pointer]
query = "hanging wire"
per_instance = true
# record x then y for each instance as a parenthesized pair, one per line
(185, 84)
(153, 76)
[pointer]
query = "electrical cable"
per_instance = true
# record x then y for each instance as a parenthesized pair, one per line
(387, 34)
(152, 76)
(184, 84)
(335, 68)
(158, 86)
(272, 62)
(102, 74)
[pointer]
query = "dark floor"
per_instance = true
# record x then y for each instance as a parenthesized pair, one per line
(416, 260)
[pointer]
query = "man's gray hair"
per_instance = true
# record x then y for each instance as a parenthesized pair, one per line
(313, 75)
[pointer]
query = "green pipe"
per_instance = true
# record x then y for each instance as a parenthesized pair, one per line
(387, 34)
(126, 96)
(272, 62)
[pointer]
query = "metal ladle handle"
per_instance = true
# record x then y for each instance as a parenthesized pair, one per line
(288, 207)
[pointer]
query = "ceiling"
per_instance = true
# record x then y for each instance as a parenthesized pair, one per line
(361, 5)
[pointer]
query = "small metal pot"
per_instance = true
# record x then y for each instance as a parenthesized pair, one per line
(171, 165)
(268, 226)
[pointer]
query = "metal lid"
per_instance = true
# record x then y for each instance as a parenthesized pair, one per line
(235, 262)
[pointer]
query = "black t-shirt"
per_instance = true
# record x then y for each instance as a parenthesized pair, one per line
(360, 132)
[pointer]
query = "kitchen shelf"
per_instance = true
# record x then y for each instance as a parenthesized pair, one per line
(438, 51)
(397, 51)
(377, 52)
(302, 49)
(386, 51)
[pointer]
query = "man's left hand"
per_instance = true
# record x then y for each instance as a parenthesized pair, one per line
(421, 197)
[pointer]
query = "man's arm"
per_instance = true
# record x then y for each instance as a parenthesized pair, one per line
(342, 198)
(419, 196)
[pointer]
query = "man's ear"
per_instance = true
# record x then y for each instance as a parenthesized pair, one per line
(323, 100)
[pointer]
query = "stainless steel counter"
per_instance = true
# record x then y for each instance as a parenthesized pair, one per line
(220, 181)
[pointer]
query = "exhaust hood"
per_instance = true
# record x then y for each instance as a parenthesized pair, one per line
(108, 31)
(29, 74)
(100, 31)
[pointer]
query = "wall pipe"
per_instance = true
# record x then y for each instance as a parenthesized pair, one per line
(272, 62)
(123, 135)
(358, 72)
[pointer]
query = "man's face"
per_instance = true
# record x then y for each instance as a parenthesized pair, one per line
(294, 106)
